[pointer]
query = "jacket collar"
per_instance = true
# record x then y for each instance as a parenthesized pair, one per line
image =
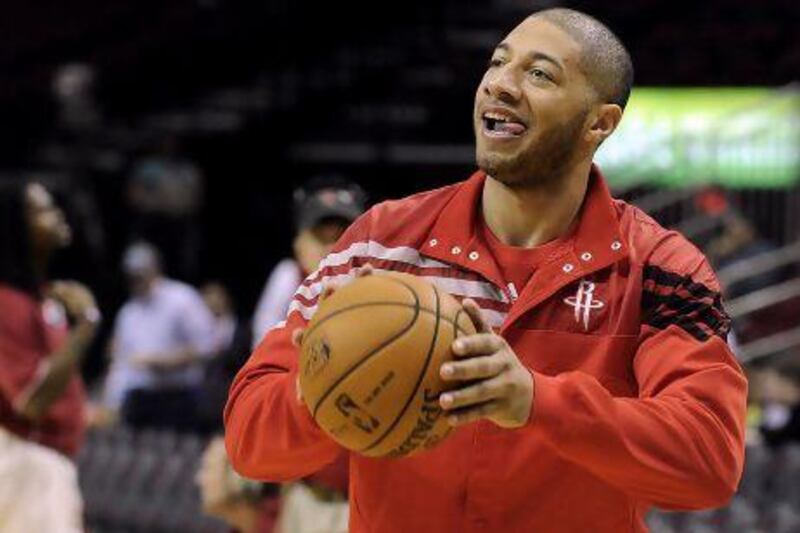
(594, 244)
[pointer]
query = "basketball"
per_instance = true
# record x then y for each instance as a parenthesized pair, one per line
(370, 359)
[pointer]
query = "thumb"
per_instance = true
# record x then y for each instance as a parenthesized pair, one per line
(298, 391)
(476, 314)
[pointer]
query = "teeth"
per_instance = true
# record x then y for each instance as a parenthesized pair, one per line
(501, 117)
(496, 116)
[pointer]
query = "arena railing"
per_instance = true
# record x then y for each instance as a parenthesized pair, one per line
(760, 264)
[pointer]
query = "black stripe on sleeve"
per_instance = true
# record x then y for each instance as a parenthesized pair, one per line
(669, 298)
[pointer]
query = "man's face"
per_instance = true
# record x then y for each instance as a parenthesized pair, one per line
(140, 282)
(48, 227)
(329, 230)
(313, 244)
(531, 106)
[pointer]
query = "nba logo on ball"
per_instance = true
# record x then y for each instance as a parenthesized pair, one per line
(362, 420)
(319, 355)
(370, 361)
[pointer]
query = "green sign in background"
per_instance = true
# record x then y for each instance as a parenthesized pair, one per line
(736, 137)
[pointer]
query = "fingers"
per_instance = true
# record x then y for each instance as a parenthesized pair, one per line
(361, 272)
(327, 290)
(476, 315)
(475, 345)
(480, 392)
(297, 338)
(298, 391)
(365, 270)
(475, 368)
(474, 413)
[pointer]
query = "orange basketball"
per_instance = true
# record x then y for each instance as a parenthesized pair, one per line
(370, 359)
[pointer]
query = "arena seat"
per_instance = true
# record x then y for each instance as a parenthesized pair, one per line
(143, 482)
(768, 499)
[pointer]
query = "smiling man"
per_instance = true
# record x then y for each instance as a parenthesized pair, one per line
(600, 383)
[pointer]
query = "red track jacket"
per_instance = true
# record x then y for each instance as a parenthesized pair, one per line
(638, 400)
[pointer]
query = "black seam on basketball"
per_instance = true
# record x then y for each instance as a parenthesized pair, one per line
(367, 304)
(393, 304)
(369, 354)
(456, 329)
(420, 378)
(444, 319)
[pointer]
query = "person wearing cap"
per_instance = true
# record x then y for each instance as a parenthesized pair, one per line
(162, 337)
(323, 209)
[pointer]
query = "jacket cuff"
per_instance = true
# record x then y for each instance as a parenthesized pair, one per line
(546, 410)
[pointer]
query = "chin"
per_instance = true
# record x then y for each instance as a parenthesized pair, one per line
(506, 169)
(63, 239)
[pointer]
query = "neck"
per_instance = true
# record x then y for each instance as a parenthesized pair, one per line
(39, 265)
(147, 287)
(530, 215)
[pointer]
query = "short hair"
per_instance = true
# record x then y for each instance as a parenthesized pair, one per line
(16, 251)
(604, 59)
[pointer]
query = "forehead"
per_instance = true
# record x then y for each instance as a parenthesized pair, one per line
(538, 35)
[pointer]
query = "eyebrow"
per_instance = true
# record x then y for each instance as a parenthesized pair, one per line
(534, 55)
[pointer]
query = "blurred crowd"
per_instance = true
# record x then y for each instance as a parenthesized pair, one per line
(752, 267)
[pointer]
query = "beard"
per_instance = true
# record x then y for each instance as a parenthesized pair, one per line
(541, 163)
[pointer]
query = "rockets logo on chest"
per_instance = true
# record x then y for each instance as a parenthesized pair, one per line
(584, 302)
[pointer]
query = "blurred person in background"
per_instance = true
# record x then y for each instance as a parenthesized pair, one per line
(776, 389)
(162, 338)
(246, 506)
(231, 341)
(45, 332)
(76, 152)
(165, 195)
(737, 241)
(73, 88)
(226, 323)
(323, 209)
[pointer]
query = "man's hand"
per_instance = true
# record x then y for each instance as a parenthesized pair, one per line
(499, 388)
(297, 334)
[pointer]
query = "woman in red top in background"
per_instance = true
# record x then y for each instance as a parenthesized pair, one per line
(45, 330)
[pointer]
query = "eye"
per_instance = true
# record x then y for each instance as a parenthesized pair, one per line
(540, 74)
(494, 62)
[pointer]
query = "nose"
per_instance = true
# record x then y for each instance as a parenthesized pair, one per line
(58, 216)
(503, 85)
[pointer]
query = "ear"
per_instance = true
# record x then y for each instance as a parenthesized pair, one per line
(605, 120)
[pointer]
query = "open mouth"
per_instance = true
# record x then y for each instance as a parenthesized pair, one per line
(502, 125)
